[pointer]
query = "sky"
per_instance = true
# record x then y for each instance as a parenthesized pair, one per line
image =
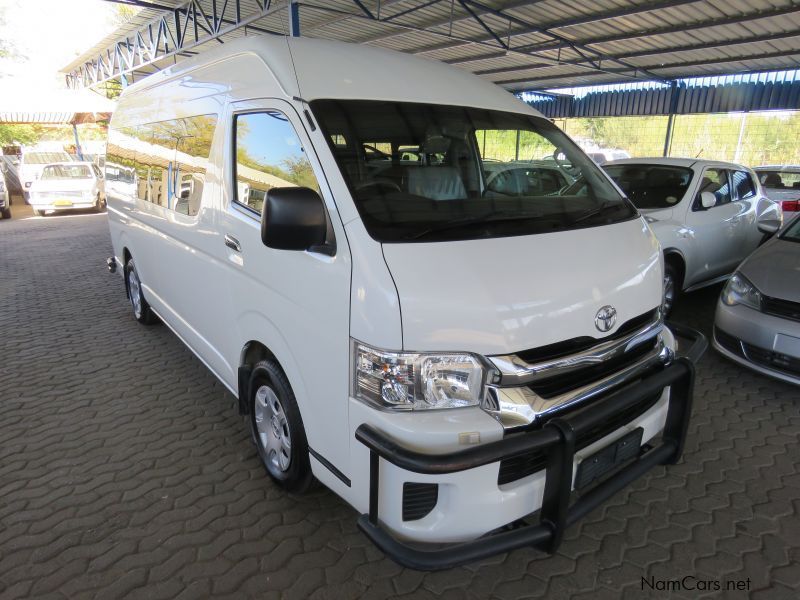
(38, 37)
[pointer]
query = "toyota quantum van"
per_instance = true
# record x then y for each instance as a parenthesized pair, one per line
(451, 357)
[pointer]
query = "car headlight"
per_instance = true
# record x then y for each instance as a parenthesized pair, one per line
(739, 290)
(417, 381)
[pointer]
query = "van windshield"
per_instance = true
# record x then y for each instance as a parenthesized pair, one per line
(66, 172)
(423, 172)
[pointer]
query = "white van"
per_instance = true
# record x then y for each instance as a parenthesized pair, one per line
(312, 219)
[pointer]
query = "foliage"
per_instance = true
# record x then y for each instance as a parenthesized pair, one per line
(770, 137)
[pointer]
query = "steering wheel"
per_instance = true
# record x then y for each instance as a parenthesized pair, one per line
(385, 183)
(564, 163)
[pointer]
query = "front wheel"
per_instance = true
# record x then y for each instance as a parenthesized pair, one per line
(277, 428)
(670, 288)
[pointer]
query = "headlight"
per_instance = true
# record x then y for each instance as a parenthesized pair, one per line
(739, 290)
(410, 381)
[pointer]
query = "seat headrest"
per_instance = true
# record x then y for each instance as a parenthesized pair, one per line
(436, 144)
(773, 180)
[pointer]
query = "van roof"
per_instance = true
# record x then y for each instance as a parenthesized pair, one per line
(336, 70)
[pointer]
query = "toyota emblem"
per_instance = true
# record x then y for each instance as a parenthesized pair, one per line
(605, 318)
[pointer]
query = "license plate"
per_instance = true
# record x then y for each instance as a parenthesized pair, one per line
(62, 203)
(786, 344)
(601, 462)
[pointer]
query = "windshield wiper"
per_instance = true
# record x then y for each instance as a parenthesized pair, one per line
(593, 212)
(487, 217)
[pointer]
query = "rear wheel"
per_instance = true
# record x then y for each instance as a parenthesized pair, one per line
(141, 309)
(277, 428)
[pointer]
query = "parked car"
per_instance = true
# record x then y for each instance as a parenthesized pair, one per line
(5, 199)
(782, 184)
(707, 215)
(68, 186)
(758, 314)
(33, 162)
(310, 218)
(524, 178)
(602, 155)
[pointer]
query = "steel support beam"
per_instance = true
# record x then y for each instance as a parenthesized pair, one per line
(670, 29)
(294, 18)
(173, 33)
(593, 64)
(665, 66)
(654, 52)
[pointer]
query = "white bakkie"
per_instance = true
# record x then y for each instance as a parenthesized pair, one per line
(312, 219)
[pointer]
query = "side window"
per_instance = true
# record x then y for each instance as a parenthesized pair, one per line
(171, 159)
(268, 155)
(716, 182)
(187, 171)
(120, 172)
(743, 184)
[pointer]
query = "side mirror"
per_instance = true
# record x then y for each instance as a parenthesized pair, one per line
(293, 218)
(708, 200)
(770, 220)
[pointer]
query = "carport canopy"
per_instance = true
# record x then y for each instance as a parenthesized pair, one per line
(520, 45)
(54, 107)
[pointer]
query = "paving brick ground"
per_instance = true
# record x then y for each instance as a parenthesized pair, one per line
(126, 472)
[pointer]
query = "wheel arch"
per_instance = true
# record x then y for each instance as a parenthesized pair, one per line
(676, 258)
(254, 351)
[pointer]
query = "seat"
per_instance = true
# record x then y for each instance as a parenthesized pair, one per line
(436, 183)
(512, 182)
(773, 180)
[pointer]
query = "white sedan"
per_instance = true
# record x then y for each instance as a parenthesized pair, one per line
(707, 215)
(782, 184)
(68, 186)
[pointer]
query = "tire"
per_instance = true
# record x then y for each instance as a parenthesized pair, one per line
(6, 212)
(141, 309)
(671, 287)
(277, 428)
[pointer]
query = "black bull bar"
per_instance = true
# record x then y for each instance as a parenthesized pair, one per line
(557, 437)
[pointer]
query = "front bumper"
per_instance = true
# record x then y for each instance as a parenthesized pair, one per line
(557, 438)
(765, 343)
(77, 204)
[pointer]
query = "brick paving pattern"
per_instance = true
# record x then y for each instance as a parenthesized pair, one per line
(125, 470)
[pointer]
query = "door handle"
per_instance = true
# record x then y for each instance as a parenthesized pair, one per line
(232, 243)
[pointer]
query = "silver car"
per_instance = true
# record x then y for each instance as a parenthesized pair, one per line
(758, 313)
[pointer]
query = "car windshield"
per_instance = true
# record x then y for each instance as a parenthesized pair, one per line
(66, 172)
(42, 158)
(779, 180)
(651, 186)
(792, 231)
(422, 172)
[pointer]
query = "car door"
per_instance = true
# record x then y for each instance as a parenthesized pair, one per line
(716, 230)
(746, 194)
(297, 303)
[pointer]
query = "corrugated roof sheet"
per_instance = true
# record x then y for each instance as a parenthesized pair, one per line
(539, 44)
